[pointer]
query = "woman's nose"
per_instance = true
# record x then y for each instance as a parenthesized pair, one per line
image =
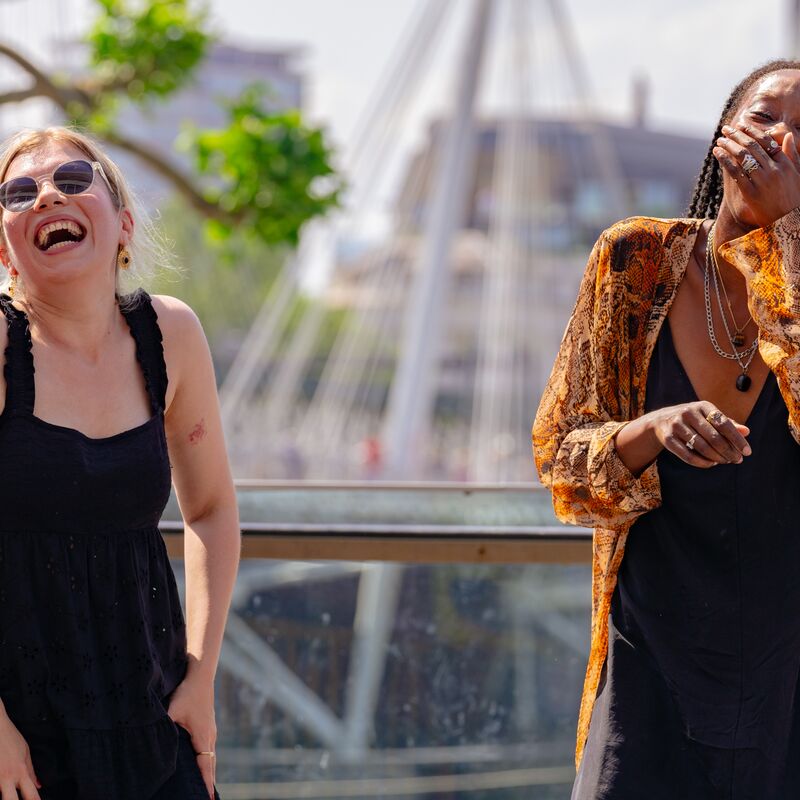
(48, 195)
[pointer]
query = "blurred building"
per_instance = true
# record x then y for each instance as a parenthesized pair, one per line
(656, 170)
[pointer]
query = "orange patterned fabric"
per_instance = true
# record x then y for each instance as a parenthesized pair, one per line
(598, 382)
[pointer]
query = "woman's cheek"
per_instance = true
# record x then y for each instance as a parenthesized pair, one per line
(14, 235)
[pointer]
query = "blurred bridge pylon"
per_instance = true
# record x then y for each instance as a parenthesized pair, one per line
(445, 268)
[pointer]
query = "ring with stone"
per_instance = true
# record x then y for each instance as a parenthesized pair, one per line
(749, 164)
(716, 417)
(690, 443)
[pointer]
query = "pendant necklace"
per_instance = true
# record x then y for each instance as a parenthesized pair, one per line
(737, 340)
(743, 381)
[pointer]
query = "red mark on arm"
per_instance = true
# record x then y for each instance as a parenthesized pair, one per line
(198, 432)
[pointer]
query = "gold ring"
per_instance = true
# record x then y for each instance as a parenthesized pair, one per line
(206, 753)
(715, 418)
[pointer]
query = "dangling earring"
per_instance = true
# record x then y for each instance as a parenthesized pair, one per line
(123, 258)
(12, 285)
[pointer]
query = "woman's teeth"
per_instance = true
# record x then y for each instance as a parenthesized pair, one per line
(58, 234)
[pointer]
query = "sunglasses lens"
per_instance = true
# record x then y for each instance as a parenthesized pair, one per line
(18, 194)
(73, 177)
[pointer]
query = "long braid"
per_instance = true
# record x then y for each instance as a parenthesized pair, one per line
(707, 195)
(710, 179)
(699, 201)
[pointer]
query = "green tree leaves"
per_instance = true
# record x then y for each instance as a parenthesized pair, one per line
(270, 173)
(265, 174)
(147, 49)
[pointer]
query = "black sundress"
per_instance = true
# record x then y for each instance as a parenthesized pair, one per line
(92, 634)
(698, 699)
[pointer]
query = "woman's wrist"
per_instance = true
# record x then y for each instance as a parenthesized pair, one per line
(200, 672)
(637, 444)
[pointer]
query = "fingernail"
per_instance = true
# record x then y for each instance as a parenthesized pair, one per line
(747, 451)
(727, 128)
(721, 140)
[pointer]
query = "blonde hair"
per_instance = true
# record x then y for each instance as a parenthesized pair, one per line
(148, 250)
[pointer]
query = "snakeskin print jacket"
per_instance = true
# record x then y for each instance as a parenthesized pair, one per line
(598, 382)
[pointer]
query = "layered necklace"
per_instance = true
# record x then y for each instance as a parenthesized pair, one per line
(742, 357)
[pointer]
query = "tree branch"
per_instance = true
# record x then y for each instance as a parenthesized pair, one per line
(180, 181)
(44, 86)
(63, 96)
(19, 95)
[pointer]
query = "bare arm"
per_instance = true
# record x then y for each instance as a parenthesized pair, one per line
(637, 445)
(207, 499)
(203, 485)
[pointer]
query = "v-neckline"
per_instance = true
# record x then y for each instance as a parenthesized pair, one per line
(690, 386)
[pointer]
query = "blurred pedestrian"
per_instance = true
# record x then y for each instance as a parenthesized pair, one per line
(670, 425)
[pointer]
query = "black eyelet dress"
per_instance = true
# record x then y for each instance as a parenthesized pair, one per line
(92, 634)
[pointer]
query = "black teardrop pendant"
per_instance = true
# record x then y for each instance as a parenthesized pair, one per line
(743, 382)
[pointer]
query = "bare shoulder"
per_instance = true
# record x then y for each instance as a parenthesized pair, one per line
(180, 326)
(175, 316)
(184, 341)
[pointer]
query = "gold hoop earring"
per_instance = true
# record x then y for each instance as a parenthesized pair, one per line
(12, 285)
(123, 258)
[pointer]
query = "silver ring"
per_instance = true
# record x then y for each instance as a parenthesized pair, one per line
(690, 443)
(773, 145)
(749, 164)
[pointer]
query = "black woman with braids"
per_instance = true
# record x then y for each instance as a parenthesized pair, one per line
(670, 425)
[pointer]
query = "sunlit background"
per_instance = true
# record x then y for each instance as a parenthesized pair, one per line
(410, 619)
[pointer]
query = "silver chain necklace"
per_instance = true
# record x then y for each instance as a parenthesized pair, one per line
(744, 381)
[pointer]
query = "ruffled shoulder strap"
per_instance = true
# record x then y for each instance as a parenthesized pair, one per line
(18, 369)
(137, 308)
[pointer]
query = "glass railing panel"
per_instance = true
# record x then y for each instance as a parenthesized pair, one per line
(353, 679)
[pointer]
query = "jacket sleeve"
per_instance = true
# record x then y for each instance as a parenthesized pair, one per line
(583, 407)
(769, 259)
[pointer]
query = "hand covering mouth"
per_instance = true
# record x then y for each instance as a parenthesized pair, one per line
(59, 233)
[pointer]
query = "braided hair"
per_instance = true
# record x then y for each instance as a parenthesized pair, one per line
(707, 195)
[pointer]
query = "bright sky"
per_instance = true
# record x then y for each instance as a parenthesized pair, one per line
(692, 51)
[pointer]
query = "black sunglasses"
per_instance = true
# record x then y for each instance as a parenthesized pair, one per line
(72, 177)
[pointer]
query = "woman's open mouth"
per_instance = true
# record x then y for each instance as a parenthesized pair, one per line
(58, 234)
